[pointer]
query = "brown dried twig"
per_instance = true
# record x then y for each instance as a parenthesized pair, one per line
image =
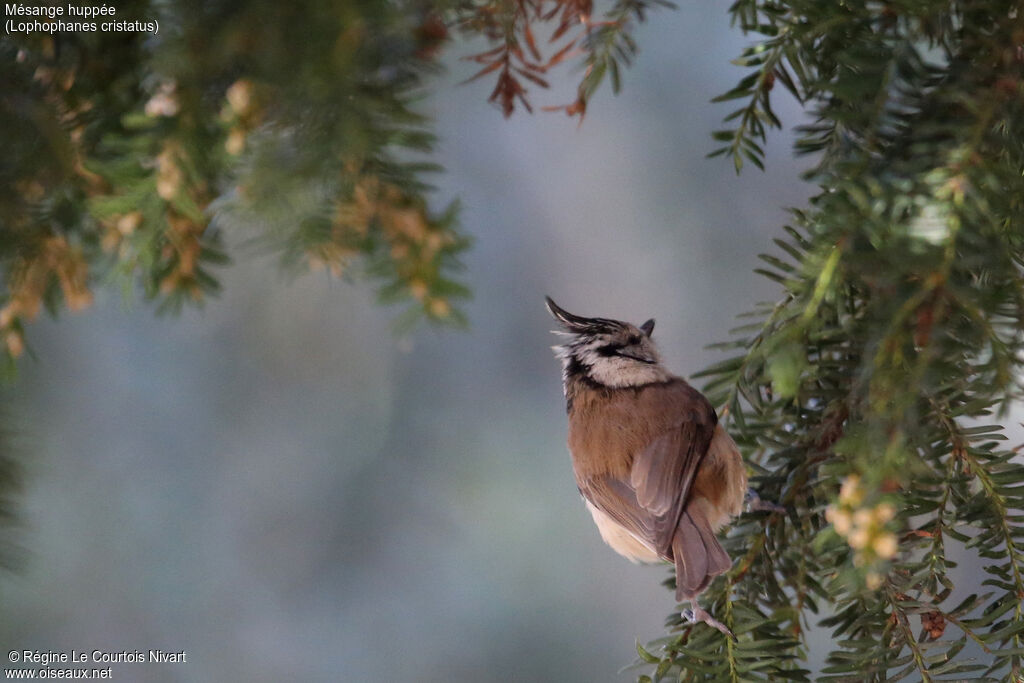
(518, 59)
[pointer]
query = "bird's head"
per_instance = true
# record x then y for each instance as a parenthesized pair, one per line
(610, 353)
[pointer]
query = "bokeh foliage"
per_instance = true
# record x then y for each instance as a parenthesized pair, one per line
(127, 154)
(528, 38)
(868, 398)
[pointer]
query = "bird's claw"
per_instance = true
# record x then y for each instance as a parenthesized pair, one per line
(755, 504)
(698, 614)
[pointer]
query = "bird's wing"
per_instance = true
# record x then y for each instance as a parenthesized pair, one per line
(651, 501)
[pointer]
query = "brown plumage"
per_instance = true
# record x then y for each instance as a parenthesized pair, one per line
(659, 474)
(654, 461)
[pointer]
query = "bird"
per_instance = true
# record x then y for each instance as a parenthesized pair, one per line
(657, 471)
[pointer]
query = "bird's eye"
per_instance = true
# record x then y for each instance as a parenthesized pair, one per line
(634, 340)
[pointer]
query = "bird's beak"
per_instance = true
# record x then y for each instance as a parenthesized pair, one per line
(648, 327)
(571, 322)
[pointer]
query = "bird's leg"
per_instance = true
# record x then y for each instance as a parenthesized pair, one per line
(754, 503)
(696, 614)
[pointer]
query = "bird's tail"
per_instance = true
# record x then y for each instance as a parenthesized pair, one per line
(698, 555)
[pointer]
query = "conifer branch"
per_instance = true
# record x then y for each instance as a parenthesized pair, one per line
(130, 158)
(860, 397)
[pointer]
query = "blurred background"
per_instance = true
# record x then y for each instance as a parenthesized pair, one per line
(287, 490)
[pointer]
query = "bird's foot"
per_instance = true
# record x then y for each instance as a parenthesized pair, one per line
(697, 614)
(755, 504)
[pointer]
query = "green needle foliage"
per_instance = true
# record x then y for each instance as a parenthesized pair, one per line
(128, 154)
(869, 397)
